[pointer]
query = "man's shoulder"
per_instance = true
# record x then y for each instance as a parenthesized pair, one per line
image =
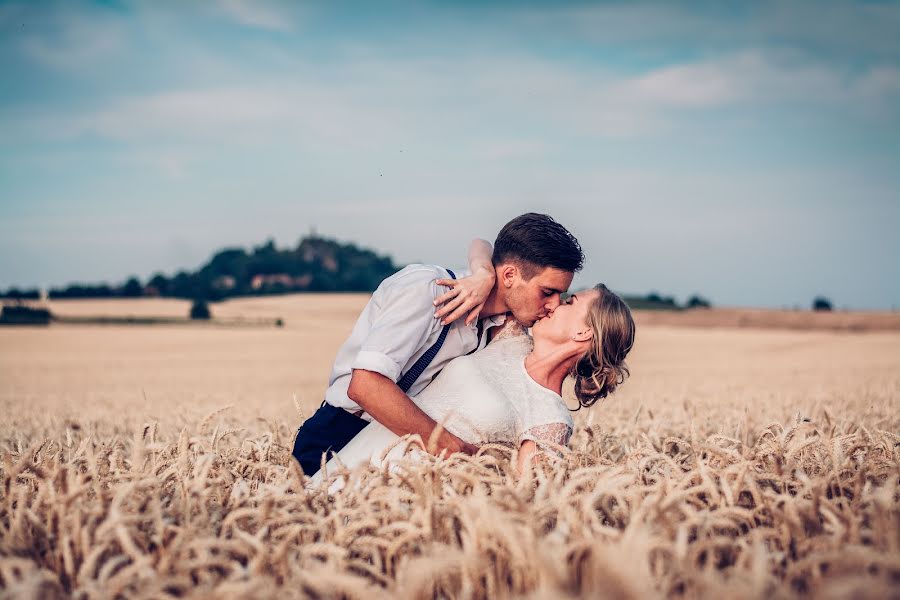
(420, 271)
(416, 276)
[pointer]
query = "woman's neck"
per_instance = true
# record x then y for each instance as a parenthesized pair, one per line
(549, 364)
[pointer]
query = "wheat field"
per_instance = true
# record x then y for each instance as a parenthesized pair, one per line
(154, 462)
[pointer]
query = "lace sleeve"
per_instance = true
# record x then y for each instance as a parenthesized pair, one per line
(549, 435)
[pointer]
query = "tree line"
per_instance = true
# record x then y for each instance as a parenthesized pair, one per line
(316, 264)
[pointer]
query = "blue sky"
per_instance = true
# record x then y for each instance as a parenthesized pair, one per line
(746, 151)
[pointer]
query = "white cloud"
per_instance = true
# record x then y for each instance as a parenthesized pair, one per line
(750, 80)
(682, 86)
(187, 111)
(172, 163)
(842, 28)
(490, 127)
(232, 115)
(73, 42)
(526, 102)
(256, 13)
(510, 149)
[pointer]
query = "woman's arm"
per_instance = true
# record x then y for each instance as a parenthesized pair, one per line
(527, 452)
(468, 295)
(552, 436)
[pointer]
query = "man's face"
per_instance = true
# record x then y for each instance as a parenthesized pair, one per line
(537, 297)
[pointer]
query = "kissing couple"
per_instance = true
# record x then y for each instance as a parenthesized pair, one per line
(405, 368)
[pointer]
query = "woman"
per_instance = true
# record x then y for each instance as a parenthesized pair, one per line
(511, 392)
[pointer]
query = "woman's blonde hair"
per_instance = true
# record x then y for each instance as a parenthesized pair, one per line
(601, 369)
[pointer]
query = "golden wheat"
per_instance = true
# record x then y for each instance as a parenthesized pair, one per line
(735, 464)
(797, 512)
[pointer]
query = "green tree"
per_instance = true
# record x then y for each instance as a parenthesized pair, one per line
(132, 288)
(821, 303)
(697, 301)
(160, 284)
(200, 310)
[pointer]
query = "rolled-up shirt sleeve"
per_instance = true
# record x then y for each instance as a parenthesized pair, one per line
(402, 320)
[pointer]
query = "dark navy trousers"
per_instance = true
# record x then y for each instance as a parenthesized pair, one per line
(328, 430)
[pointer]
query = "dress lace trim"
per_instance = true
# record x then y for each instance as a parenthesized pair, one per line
(552, 433)
(511, 328)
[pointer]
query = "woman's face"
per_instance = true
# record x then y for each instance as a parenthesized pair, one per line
(568, 320)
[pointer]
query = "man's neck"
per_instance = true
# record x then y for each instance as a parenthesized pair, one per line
(495, 303)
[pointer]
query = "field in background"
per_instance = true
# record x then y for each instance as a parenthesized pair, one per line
(796, 320)
(297, 307)
(739, 461)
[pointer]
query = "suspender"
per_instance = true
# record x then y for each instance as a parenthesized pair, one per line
(415, 371)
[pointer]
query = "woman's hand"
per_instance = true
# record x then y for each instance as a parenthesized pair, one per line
(469, 293)
(467, 296)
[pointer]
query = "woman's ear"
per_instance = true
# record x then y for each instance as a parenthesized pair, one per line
(584, 336)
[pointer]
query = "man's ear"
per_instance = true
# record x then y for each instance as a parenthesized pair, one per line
(584, 336)
(507, 275)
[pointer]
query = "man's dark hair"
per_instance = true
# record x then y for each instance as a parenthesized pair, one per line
(535, 242)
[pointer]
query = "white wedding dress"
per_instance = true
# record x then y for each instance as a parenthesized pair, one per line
(485, 397)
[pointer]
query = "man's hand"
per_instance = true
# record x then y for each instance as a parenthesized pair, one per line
(454, 444)
(381, 398)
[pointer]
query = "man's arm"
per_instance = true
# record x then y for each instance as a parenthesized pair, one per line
(386, 402)
(402, 322)
(468, 294)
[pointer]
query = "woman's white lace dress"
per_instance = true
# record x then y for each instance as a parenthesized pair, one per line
(485, 397)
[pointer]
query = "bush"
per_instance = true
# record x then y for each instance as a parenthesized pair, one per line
(652, 301)
(696, 301)
(821, 304)
(17, 294)
(21, 314)
(200, 310)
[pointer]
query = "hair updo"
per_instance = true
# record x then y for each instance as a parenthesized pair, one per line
(601, 369)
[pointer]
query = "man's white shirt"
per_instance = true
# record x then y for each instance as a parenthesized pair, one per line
(396, 327)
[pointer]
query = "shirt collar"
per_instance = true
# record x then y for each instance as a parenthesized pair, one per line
(491, 321)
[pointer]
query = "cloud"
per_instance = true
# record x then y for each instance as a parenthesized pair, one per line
(750, 80)
(880, 87)
(72, 42)
(699, 85)
(526, 102)
(233, 115)
(510, 149)
(171, 163)
(841, 29)
(190, 111)
(683, 128)
(255, 13)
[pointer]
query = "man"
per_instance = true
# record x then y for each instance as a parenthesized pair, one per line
(398, 345)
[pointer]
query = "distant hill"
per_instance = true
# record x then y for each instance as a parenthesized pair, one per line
(317, 264)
